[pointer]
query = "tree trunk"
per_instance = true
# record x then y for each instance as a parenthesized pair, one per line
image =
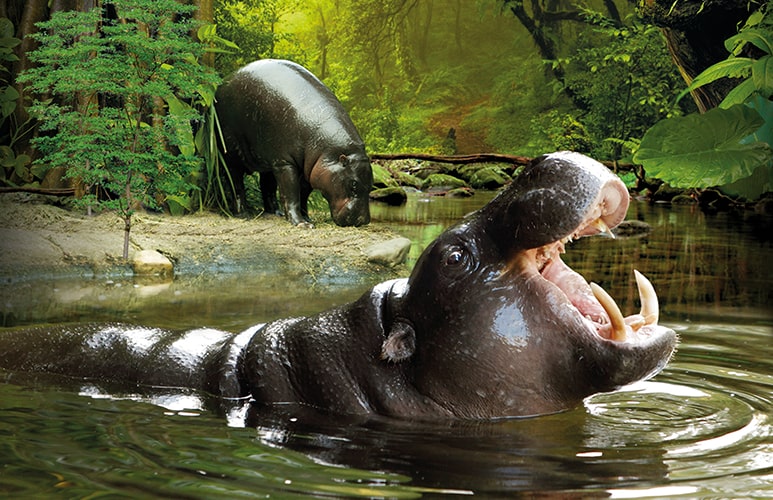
(205, 13)
(695, 32)
(127, 227)
(323, 39)
(34, 11)
(537, 24)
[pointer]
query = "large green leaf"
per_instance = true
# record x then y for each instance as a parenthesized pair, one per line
(704, 150)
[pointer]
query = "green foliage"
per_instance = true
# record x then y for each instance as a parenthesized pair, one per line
(562, 132)
(12, 166)
(252, 24)
(730, 146)
(116, 119)
(408, 72)
(757, 74)
(625, 80)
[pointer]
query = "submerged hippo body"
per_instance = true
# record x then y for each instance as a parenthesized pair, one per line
(491, 323)
(280, 120)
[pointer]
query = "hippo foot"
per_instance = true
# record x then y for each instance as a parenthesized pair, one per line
(305, 225)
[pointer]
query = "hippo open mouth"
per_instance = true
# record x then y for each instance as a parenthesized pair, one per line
(562, 216)
(599, 309)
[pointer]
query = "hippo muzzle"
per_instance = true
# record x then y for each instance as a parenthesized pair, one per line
(353, 212)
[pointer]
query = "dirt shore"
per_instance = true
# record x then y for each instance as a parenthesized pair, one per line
(39, 239)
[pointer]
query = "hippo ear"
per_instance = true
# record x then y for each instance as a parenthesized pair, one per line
(399, 344)
(343, 160)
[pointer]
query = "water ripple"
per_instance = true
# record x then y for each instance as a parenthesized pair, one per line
(710, 413)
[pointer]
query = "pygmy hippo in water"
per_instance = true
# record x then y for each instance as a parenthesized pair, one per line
(280, 120)
(491, 323)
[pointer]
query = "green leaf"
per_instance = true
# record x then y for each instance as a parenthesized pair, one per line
(178, 205)
(179, 110)
(7, 156)
(39, 169)
(738, 94)
(764, 108)
(759, 38)
(762, 75)
(752, 187)
(6, 28)
(704, 150)
(729, 68)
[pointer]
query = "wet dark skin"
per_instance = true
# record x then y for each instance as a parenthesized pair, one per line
(476, 332)
(281, 121)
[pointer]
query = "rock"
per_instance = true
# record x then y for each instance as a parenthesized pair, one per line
(151, 262)
(394, 196)
(462, 192)
(444, 181)
(632, 229)
(406, 179)
(382, 177)
(490, 178)
(389, 253)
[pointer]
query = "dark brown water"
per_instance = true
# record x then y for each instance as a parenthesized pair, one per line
(703, 428)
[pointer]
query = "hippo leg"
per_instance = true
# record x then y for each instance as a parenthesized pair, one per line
(289, 180)
(240, 192)
(268, 193)
(306, 190)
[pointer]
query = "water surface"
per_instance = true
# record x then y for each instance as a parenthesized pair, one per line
(700, 429)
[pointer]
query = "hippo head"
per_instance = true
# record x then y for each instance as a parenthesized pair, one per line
(345, 183)
(503, 326)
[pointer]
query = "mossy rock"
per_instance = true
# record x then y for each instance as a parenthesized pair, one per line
(442, 181)
(466, 172)
(393, 195)
(405, 179)
(490, 178)
(462, 192)
(427, 169)
(382, 177)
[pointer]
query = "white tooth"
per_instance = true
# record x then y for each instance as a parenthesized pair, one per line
(603, 228)
(649, 299)
(615, 316)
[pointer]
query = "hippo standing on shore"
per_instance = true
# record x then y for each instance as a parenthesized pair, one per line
(278, 119)
(491, 323)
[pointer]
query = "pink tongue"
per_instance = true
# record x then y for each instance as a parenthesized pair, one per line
(576, 289)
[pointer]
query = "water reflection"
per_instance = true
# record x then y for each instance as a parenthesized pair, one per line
(700, 429)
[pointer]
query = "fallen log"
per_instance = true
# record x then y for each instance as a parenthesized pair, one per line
(457, 159)
(482, 158)
(39, 190)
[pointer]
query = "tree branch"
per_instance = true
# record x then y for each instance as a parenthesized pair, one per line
(482, 158)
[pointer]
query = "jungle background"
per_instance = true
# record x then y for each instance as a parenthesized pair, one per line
(427, 76)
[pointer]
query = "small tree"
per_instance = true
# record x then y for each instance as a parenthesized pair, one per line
(108, 76)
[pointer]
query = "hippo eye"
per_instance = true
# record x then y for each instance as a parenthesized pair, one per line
(455, 256)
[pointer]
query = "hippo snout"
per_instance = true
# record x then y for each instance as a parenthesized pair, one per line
(355, 212)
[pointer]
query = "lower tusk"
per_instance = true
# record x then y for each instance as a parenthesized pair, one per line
(615, 316)
(649, 299)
